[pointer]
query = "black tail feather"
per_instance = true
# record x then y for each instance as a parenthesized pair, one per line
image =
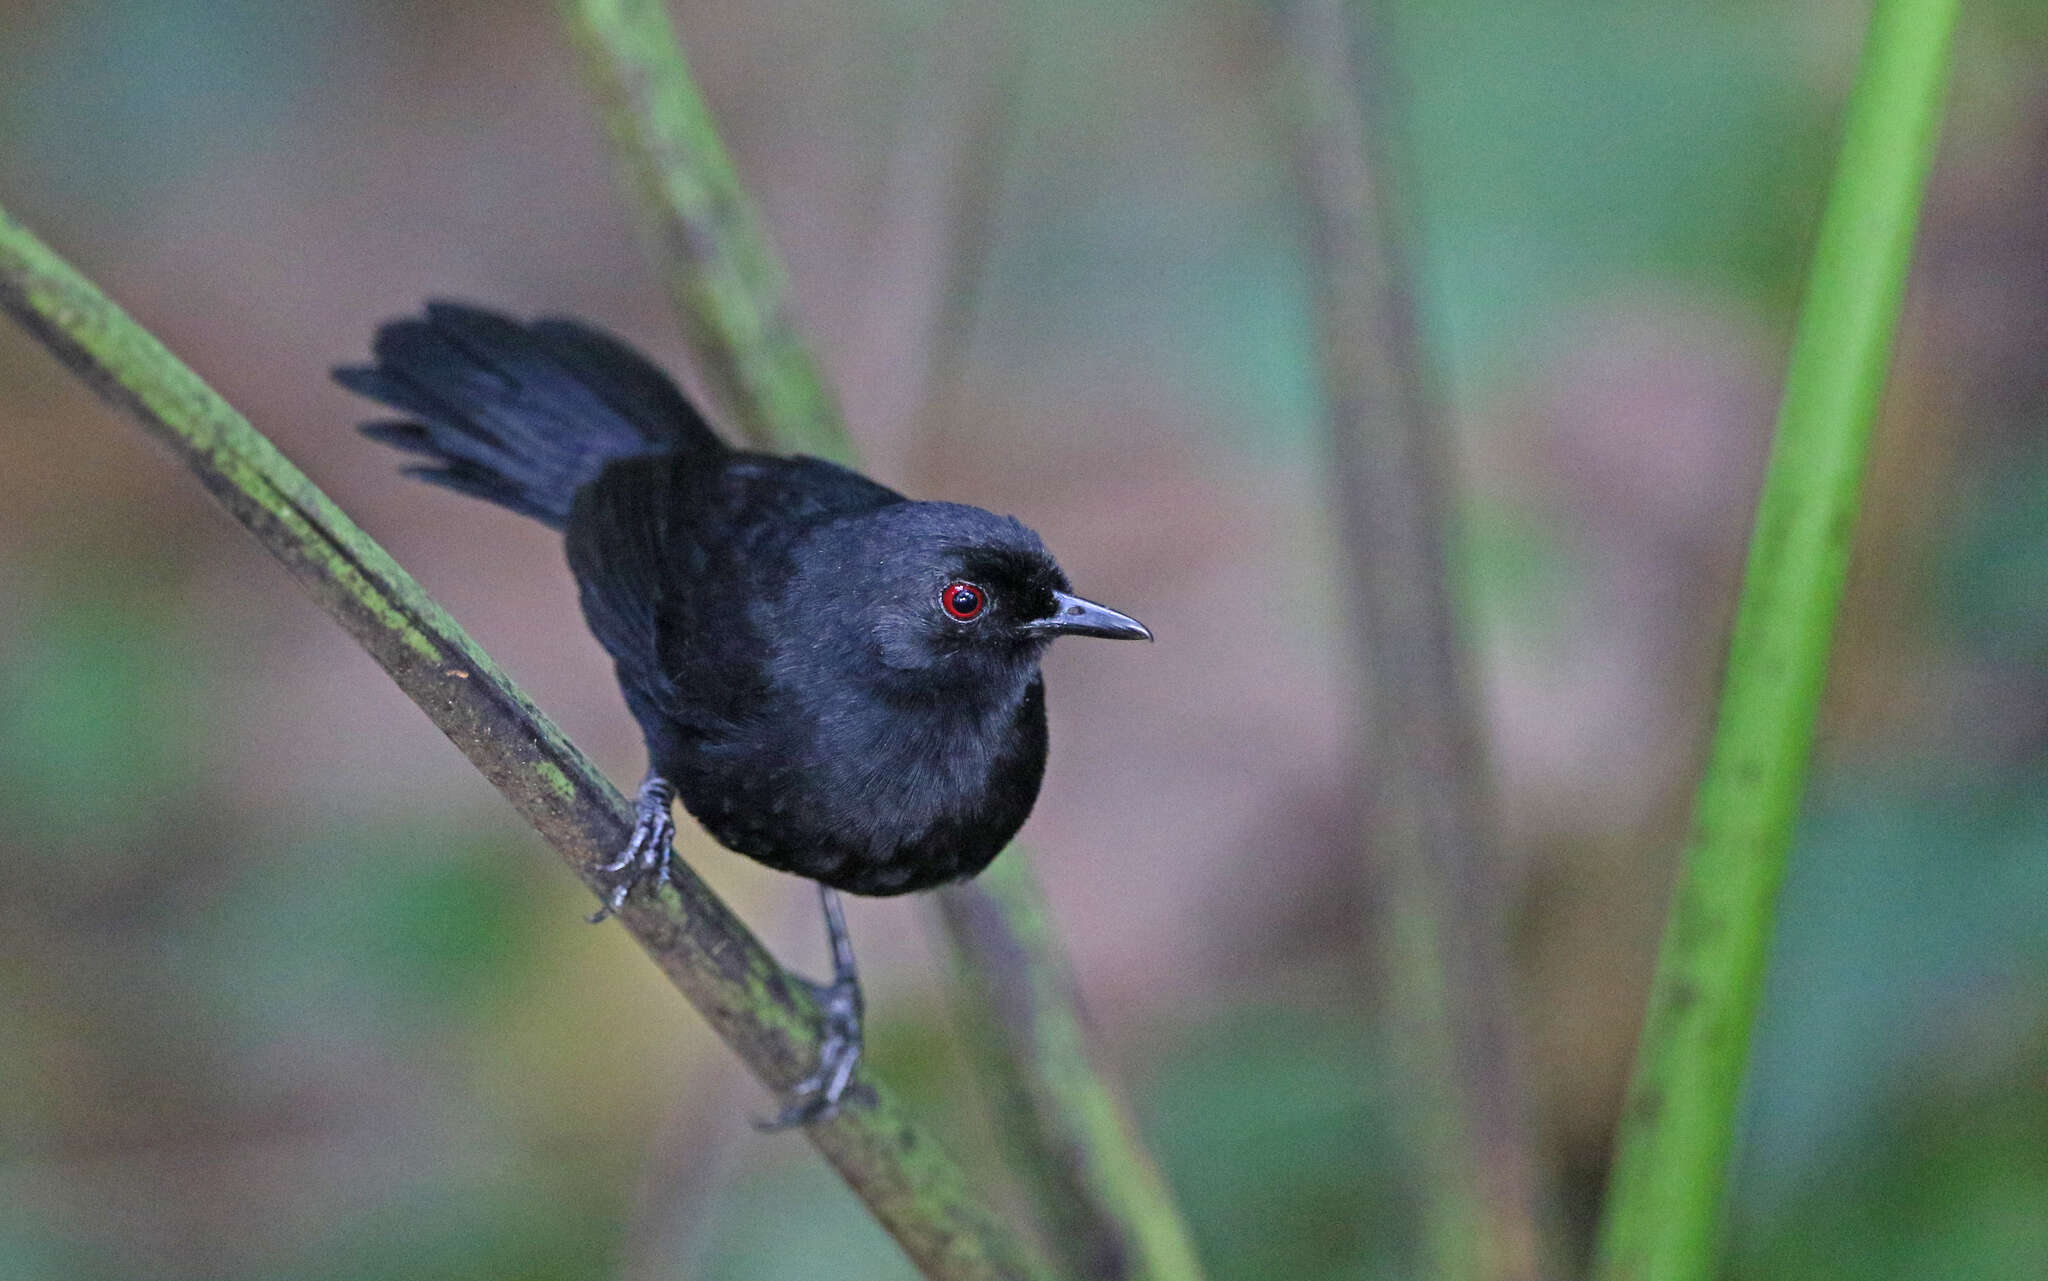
(520, 415)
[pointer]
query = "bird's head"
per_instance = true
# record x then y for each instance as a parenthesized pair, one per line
(948, 594)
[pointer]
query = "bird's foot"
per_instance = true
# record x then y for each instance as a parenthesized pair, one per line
(817, 1097)
(645, 860)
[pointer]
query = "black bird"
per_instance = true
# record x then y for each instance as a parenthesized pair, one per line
(835, 680)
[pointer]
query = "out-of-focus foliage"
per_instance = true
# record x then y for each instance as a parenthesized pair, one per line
(285, 993)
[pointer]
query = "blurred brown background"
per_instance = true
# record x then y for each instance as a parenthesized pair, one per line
(285, 991)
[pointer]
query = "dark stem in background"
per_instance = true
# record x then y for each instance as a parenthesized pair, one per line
(983, 142)
(765, 1014)
(1084, 1158)
(934, 187)
(1429, 821)
(1108, 1213)
(1066, 1133)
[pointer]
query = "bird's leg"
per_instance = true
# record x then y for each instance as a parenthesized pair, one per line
(817, 1096)
(646, 856)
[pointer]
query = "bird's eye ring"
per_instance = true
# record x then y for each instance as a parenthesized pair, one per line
(963, 602)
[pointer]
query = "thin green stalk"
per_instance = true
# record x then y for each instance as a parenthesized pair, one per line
(1429, 820)
(1677, 1130)
(768, 1016)
(1085, 1161)
(1108, 1212)
(724, 278)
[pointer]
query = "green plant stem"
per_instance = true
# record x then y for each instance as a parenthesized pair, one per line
(768, 1016)
(1429, 818)
(1677, 1130)
(1108, 1212)
(1083, 1160)
(725, 280)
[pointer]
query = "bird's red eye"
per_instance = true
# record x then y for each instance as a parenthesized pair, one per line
(963, 601)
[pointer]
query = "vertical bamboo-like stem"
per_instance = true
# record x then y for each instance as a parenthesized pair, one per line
(1677, 1129)
(1113, 1215)
(723, 276)
(1430, 819)
(1108, 1212)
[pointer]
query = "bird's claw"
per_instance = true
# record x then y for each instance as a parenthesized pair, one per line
(818, 1096)
(645, 860)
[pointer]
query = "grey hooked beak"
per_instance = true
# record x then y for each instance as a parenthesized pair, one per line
(1072, 616)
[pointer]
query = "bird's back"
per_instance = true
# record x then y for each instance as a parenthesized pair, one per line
(671, 554)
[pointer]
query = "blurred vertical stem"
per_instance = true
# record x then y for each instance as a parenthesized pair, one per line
(1108, 1212)
(1429, 816)
(723, 276)
(1111, 1215)
(1677, 1130)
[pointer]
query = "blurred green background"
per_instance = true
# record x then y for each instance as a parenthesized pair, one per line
(286, 992)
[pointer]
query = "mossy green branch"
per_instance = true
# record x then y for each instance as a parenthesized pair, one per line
(723, 276)
(1080, 1153)
(1677, 1133)
(765, 1014)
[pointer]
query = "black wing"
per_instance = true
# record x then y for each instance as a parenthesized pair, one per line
(670, 556)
